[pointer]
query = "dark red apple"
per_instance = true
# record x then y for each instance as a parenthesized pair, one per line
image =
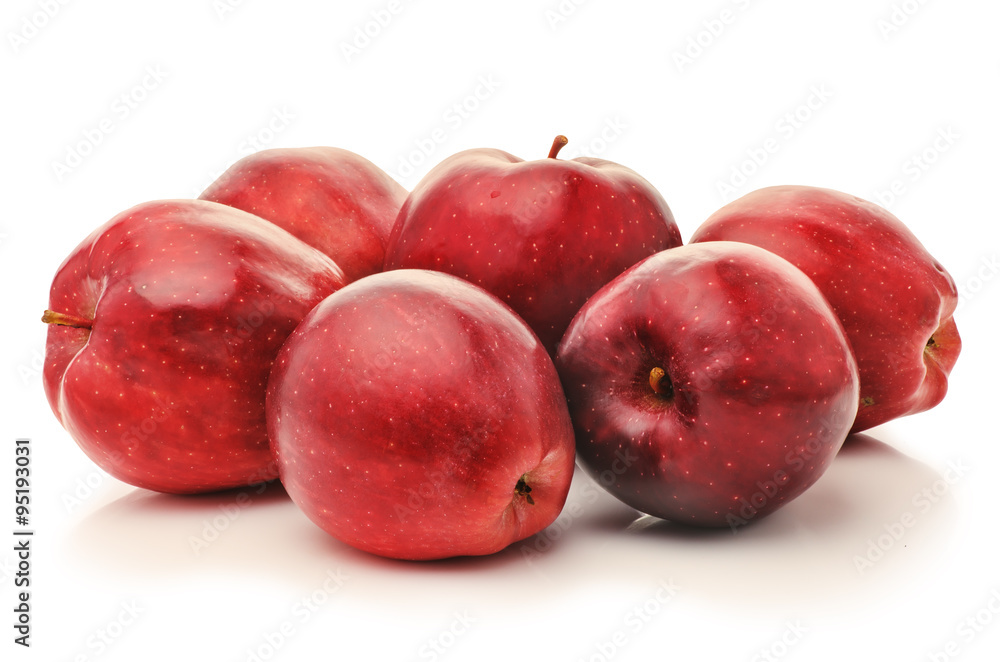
(415, 416)
(163, 325)
(894, 299)
(541, 235)
(330, 198)
(709, 384)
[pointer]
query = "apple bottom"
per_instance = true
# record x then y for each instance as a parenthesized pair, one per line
(414, 416)
(667, 492)
(433, 511)
(714, 448)
(709, 385)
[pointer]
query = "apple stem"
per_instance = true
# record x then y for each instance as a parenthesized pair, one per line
(557, 145)
(656, 376)
(64, 319)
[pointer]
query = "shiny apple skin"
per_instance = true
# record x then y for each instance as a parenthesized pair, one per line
(541, 235)
(895, 300)
(763, 387)
(190, 302)
(330, 198)
(406, 408)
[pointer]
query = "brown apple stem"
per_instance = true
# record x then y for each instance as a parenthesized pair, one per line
(557, 145)
(65, 319)
(656, 376)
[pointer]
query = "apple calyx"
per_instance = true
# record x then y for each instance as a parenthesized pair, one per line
(523, 489)
(939, 350)
(660, 383)
(65, 319)
(557, 145)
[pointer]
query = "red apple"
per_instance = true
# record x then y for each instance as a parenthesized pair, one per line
(415, 416)
(709, 384)
(541, 235)
(894, 299)
(163, 325)
(332, 199)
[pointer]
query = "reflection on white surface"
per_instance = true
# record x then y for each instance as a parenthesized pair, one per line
(876, 518)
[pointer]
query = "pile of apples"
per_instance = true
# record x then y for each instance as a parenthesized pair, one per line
(422, 370)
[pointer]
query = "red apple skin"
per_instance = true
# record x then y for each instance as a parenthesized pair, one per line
(189, 302)
(541, 235)
(330, 198)
(758, 392)
(406, 409)
(895, 300)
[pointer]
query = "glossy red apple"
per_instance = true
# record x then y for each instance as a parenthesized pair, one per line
(330, 198)
(163, 325)
(541, 235)
(414, 416)
(709, 384)
(894, 299)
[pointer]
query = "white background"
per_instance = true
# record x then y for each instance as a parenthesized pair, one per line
(609, 76)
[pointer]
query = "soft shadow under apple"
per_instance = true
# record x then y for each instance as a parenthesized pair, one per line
(807, 552)
(258, 533)
(868, 525)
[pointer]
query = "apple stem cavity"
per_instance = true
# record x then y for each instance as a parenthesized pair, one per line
(557, 145)
(65, 319)
(523, 489)
(659, 382)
